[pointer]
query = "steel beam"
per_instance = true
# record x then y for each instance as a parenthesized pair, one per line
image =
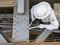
(42, 37)
(6, 26)
(2, 40)
(20, 25)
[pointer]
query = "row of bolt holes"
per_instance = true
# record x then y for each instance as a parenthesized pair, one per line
(17, 30)
(17, 36)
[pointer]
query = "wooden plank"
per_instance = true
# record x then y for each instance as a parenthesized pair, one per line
(56, 31)
(6, 26)
(35, 31)
(6, 15)
(32, 43)
(6, 3)
(37, 43)
(8, 35)
(6, 23)
(38, 31)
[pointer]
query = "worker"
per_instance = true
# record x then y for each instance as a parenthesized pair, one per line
(44, 12)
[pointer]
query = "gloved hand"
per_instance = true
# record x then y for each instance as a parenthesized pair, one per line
(39, 26)
(33, 27)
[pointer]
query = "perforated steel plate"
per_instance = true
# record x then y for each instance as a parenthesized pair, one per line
(20, 25)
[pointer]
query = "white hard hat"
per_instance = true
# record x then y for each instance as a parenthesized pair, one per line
(42, 10)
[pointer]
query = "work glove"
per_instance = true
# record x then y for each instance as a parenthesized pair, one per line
(39, 26)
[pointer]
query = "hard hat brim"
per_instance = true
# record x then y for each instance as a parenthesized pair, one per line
(48, 10)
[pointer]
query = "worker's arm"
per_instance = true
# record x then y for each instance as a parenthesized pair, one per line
(53, 22)
(32, 15)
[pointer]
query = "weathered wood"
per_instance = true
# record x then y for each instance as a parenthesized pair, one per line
(6, 26)
(36, 43)
(6, 3)
(32, 43)
(6, 15)
(8, 35)
(6, 23)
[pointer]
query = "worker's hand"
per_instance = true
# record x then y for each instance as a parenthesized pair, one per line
(39, 26)
(33, 27)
